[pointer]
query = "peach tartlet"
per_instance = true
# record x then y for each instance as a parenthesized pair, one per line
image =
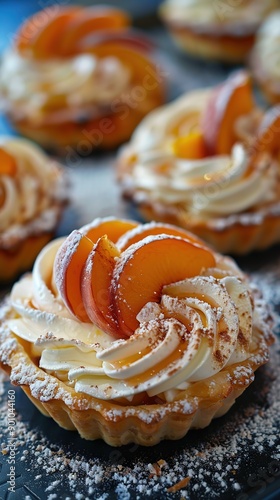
(222, 31)
(133, 333)
(33, 192)
(209, 162)
(265, 58)
(79, 77)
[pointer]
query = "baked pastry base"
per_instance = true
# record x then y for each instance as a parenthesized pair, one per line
(85, 138)
(21, 256)
(117, 424)
(225, 48)
(103, 132)
(233, 234)
(19, 251)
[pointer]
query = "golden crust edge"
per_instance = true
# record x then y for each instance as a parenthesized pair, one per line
(118, 425)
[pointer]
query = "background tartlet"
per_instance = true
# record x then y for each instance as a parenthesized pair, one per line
(33, 192)
(209, 162)
(79, 77)
(215, 30)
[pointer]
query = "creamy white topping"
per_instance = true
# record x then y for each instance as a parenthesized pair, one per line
(63, 88)
(31, 192)
(209, 187)
(204, 12)
(201, 325)
(267, 47)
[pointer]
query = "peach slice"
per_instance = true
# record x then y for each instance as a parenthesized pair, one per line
(151, 229)
(95, 284)
(69, 263)
(113, 228)
(40, 35)
(8, 164)
(145, 267)
(90, 20)
(127, 38)
(228, 101)
(268, 134)
(191, 146)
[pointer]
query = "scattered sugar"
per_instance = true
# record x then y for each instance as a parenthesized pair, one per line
(265, 280)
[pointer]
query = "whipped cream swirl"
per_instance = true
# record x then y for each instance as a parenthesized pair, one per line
(210, 187)
(31, 195)
(61, 88)
(200, 326)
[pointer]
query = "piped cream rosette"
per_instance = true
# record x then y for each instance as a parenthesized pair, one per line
(58, 91)
(214, 186)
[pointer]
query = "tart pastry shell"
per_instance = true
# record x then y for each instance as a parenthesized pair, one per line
(116, 424)
(21, 255)
(225, 48)
(237, 235)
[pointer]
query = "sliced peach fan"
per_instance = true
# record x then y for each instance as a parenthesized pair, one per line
(109, 283)
(227, 103)
(216, 134)
(60, 32)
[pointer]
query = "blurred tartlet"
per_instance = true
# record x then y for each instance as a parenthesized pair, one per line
(215, 30)
(79, 77)
(265, 58)
(209, 162)
(33, 192)
(133, 333)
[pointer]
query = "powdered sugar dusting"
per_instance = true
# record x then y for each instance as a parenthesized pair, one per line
(265, 279)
